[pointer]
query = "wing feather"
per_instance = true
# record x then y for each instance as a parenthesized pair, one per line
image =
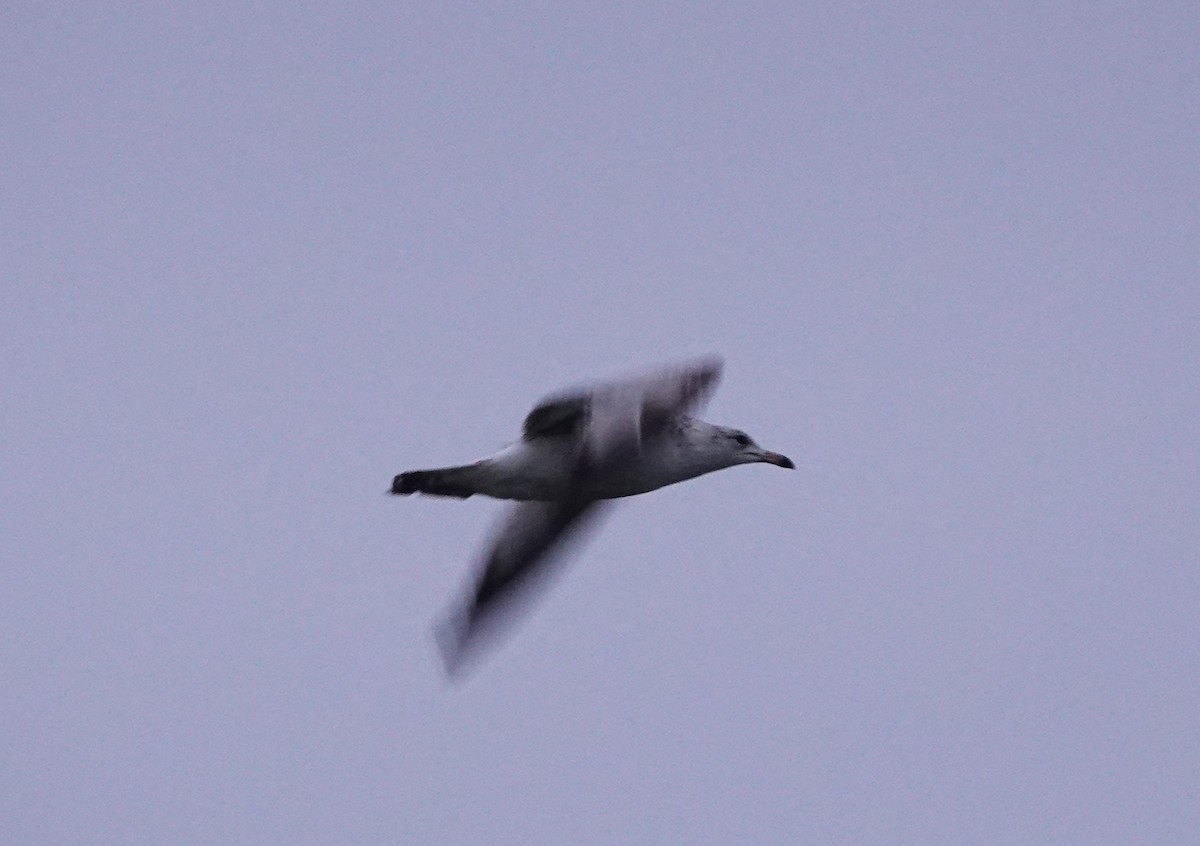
(525, 548)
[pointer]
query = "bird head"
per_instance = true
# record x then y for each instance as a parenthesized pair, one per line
(743, 449)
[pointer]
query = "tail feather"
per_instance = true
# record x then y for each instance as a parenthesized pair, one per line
(446, 481)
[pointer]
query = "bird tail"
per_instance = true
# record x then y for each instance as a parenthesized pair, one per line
(445, 481)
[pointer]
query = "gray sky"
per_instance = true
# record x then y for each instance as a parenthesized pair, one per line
(258, 259)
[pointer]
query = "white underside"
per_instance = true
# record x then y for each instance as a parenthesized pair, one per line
(544, 469)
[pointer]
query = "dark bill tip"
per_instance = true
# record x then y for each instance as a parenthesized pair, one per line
(779, 460)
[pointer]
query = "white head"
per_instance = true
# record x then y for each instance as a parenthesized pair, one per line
(723, 446)
(743, 450)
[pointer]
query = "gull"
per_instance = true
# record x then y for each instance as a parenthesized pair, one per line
(578, 450)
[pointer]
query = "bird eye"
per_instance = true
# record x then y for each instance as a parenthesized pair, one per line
(742, 438)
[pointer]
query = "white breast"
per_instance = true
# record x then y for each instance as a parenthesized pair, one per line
(544, 468)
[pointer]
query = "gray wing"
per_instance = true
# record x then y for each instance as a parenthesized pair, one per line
(524, 550)
(623, 414)
(613, 418)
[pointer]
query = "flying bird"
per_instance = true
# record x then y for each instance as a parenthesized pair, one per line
(578, 450)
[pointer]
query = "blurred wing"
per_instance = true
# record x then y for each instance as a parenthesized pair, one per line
(610, 420)
(622, 414)
(524, 550)
(559, 416)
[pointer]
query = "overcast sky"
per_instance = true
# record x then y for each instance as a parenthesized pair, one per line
(258, 258)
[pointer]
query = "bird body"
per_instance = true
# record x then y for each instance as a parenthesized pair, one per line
(544, 469)
(577, 451)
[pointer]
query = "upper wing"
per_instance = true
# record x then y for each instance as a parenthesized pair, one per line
(559, 416)
(523, 550)
(611, 419)
(623, 413)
